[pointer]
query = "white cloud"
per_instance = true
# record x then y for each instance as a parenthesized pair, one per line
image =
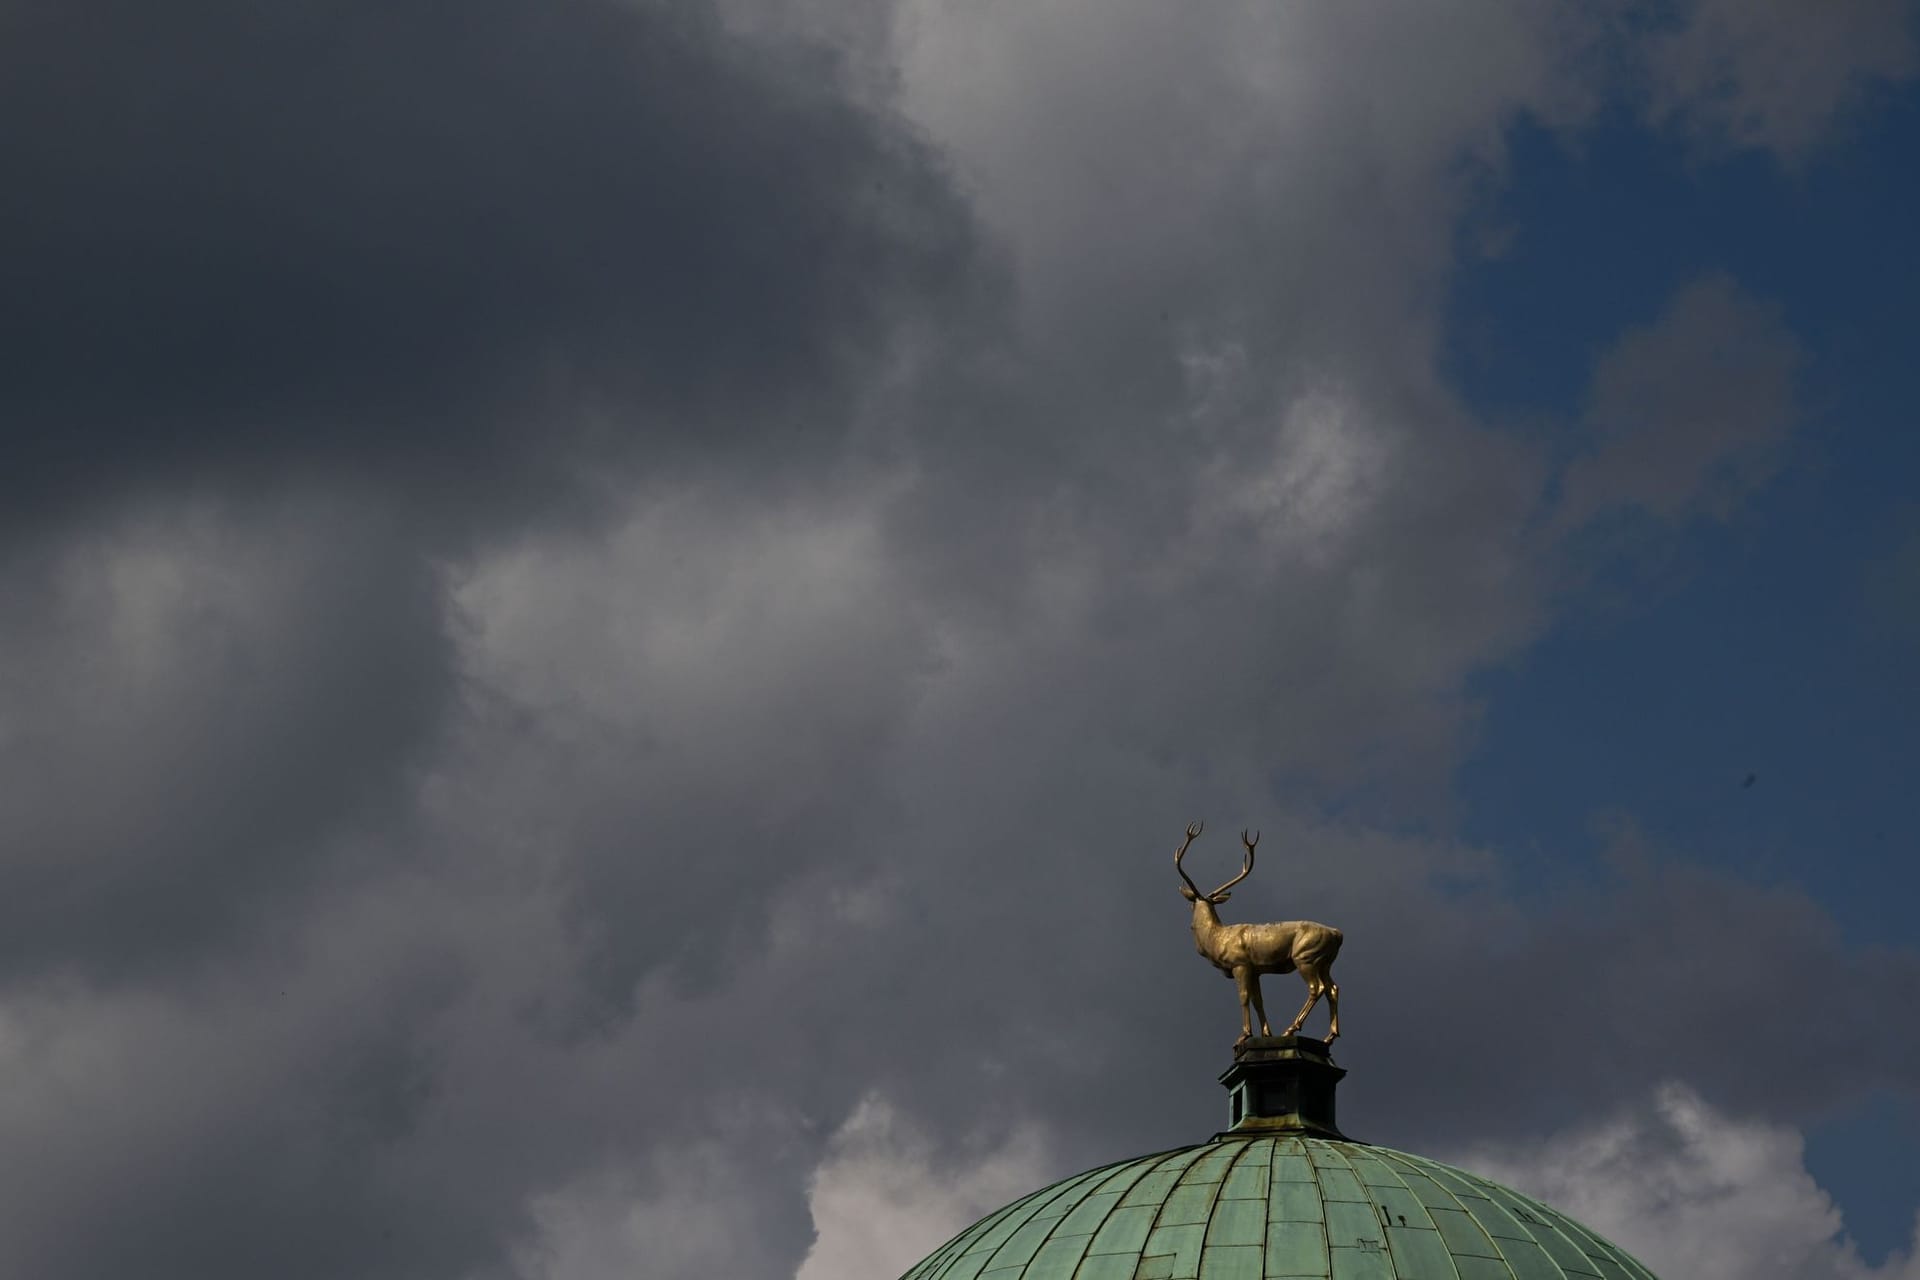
(1286, 174)
(1693, 1193)
(1329, 463)
(884, 1197)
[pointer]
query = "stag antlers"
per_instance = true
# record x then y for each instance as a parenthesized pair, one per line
(1218, 895)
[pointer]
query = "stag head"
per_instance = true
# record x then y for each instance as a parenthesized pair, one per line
(1191, 891)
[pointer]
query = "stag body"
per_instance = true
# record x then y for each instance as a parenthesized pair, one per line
(1245, 951)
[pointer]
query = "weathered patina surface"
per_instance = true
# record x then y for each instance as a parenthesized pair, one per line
(1252, 1207)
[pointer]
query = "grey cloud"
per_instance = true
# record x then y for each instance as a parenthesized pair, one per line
(1689, 414)
(249, 1117)
(685, 1210)
(696, 709)
(1890, 596)
(199, 698)
(1776, 74)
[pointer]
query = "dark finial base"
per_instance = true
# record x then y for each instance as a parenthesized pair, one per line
(1282, 1084)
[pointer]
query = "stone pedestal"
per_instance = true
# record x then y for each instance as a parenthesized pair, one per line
(1282, 1084)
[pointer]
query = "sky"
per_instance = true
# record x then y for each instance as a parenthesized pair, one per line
(609, 613)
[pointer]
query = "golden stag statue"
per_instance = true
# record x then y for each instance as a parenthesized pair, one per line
(1245, 951)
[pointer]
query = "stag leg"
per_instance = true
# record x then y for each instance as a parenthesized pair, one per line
(1244, 979)
(1333, 1008)
(1310, 973)
(1259, 1006)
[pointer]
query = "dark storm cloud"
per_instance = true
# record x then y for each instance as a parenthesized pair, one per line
(292, 294)
(454, 249)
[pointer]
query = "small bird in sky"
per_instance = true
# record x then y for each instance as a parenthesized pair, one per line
(1749, 781)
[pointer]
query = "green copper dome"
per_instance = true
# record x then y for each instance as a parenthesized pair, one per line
(1248, 1207)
